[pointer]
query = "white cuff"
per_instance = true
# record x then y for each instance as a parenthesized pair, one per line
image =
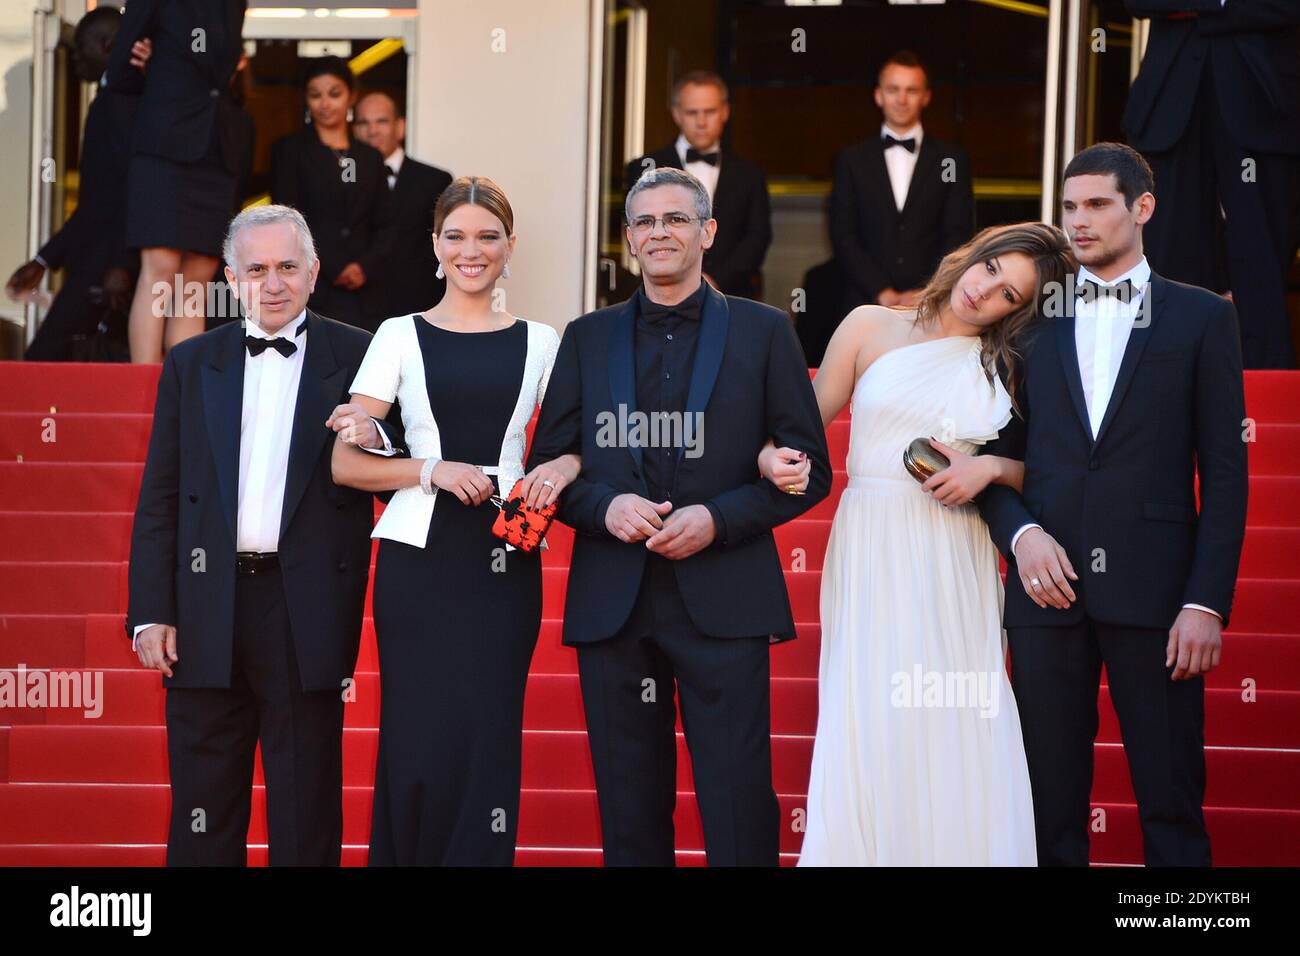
(1207, 610)
(136, 636)
(1016, 537)
(388, 449)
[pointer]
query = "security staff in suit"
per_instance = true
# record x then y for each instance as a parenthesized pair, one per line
(249, 564)
(408, 279)
(737, 188)
(1215, 110)
(187, 150)
(92, 243)
(901, 201)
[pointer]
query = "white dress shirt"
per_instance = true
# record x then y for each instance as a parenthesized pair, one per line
(900, 163)
(394, 162)
(704, 172)
(1102, 326)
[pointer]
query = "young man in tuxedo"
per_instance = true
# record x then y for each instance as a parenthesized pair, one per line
(92, 243)
(1132, 389)
(248, 564)
(900, 201)
(675, 576)
(408, 280)
(1215, 109)
(736, 187)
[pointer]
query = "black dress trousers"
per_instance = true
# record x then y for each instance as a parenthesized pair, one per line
(212, 734)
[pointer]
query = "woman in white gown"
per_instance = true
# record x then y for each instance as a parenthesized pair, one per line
(918, 758)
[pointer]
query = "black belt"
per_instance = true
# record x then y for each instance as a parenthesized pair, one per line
(256, 562)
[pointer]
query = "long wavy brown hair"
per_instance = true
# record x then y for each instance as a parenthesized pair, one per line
(1046, 245)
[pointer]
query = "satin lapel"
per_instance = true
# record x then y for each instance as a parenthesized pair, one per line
(622, 368)
(1137, 341)
(715, 317)
(1069, 353)
(319, 391)
(223, 410)
(879, 172)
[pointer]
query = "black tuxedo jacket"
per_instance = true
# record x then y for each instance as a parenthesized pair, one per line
(744, 214)
(1250, 47)
(1176, 412)
(408, 281)
(877, 246)
(183, 92)
(750, 381)
(349, 221)
(189, 501)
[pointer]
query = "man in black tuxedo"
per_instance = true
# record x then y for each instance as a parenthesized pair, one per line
(408, 280)
(92, 243)
(736, 187)
(248, 564)
(675, 574)
(901, 201)
(1131, 390)
(1215, 109)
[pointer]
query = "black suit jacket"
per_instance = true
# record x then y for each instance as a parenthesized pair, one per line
(189, 501)
(349, 221)
(1250, 46)
(408, 280)
(94, 236)
(744, 214)
(750, 381)
(877, 246)
(1176, 412)
(184, 93)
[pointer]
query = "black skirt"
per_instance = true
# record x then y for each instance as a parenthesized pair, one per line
(175, 205)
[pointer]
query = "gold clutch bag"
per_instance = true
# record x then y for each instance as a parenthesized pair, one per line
(922, 461)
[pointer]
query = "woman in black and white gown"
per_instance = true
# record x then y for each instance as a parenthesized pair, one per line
(457, 612)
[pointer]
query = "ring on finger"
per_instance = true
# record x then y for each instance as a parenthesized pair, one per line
(1035, 582)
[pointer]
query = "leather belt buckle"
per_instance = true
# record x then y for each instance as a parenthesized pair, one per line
(256, 562)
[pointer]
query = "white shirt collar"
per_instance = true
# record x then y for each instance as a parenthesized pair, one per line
(915, 133)
(1139, 275)
(682, 146)
(395, 159)
(288, 332)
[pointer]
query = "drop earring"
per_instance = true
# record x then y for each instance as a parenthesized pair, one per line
(505, 271)
(349, 115)
(440, 274)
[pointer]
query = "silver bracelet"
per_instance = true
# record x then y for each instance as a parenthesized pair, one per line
(426, 475)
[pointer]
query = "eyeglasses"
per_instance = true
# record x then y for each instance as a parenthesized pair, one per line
(671, 220)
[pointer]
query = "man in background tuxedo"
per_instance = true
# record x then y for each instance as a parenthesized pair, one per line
(92, 243)
(675, 576)
(248, 564)
(1131, 391)
(408, 280)
(737, 188)
(1215, 110)
(900, 201)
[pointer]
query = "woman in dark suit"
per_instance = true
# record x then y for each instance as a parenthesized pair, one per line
(186, 153)
(340, 187)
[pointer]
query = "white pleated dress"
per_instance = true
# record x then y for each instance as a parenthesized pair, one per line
(918, 759)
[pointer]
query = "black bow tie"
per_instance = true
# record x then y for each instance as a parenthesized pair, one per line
(693, 155)
(1090, 291)
(908, 144)
(256, 345)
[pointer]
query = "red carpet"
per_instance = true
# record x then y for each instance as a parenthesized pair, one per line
(81, 791)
